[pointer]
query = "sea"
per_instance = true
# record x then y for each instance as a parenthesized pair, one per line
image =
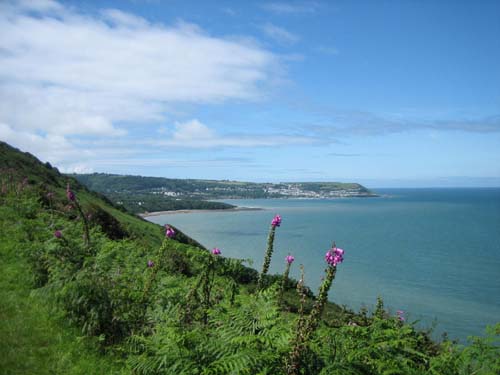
(433, 253)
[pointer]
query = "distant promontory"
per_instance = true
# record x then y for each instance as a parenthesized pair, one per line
(147, 194)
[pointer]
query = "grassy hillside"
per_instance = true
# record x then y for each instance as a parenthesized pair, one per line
(35, 339)
(24, 167)
(122, 297)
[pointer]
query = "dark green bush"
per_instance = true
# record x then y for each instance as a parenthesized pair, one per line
(107, 222)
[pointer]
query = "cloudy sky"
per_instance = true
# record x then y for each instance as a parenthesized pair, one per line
(385, 93)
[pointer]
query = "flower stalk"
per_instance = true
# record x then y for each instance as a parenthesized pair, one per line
(319, 304)
(292, 365)
(306, 328)
(208, 279)
(86, 231)
(289, 260)
(206, 282)
(276, 222)
(156, 265)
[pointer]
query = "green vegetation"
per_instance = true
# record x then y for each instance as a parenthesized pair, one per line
(143, 202)
(140, 194)
(69, 307)
(34, 338)
(183, 188)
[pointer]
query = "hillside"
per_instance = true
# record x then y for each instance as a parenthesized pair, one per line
(140, 194)
(90, 289)
(17, 165)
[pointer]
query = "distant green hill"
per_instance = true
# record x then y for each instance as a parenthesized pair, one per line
(141, 194)
(217, 189)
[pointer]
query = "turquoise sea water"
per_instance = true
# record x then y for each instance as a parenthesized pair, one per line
(434, 253)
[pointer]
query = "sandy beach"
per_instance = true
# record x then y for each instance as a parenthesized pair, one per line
(175, 212)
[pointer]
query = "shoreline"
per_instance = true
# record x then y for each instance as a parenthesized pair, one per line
(191, 211)
(236, 208)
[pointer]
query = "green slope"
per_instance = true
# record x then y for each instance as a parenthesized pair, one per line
(34, 337)
(19, 165)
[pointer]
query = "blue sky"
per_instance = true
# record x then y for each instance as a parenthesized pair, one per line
(384, 93)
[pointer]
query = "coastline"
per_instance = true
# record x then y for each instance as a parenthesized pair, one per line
(190, 211)
(236, 208)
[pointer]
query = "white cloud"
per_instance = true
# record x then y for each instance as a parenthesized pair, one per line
(64, 73)
(174, 162)
(119, 18)
(77, 168)
(279, 34)
(195, 134)
(192, 131)
(50, 147)
(35, 6)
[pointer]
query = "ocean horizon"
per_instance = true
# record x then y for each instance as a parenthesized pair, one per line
(432, 252)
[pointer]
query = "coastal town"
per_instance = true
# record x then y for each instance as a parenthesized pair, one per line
(269, 190)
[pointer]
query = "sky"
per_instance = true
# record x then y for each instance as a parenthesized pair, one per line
(385, 93)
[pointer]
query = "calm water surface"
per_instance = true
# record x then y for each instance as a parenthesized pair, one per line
(434, 253)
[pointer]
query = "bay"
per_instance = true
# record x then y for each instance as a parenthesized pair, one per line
(434, 253)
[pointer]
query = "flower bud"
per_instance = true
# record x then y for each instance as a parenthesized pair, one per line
(276, 222)
(216, 251)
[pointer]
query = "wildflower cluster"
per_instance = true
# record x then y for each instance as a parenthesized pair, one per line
(169, 231)
(334, 256)
(276, 222)
(216, 251)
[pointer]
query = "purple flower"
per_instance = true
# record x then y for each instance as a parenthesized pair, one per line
(400, 314)
(50, 195)
(58, 234)
(151, 264)
(289, 259)
(71, 196)
(334, 256)
(216, 251)
(276, 222)
(170, 232)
